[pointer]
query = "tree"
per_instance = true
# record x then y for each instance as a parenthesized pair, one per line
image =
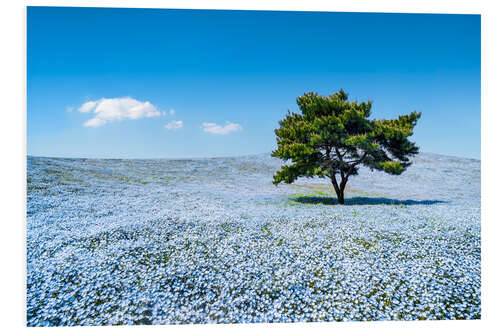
(333, 137)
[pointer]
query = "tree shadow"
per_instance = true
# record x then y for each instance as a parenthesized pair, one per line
(364, 201)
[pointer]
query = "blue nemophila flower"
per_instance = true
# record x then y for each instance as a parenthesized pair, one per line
(212, 240)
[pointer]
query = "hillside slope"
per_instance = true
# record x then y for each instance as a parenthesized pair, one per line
(212, 240)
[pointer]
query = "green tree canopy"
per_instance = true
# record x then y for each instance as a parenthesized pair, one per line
(332, 137)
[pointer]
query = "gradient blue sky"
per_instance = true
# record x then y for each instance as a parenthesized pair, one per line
(245, 68)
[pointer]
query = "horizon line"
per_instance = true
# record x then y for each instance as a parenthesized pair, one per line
(208, 157)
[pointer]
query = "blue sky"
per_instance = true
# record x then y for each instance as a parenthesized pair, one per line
(156, 83)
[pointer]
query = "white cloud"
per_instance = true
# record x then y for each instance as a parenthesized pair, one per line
(174, 124)
(113, 109)
(222, 130)
(172, 111)
(87, 107)
(94, 122)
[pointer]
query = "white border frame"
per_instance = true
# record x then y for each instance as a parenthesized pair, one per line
(13, 165)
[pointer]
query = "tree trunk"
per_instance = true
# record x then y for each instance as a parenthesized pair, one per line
(338, 190)
(341, 190)
(340, 196)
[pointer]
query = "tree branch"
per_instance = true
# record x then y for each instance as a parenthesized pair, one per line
(334, 180)
(328, 161)
(339, 155)
(351, 169)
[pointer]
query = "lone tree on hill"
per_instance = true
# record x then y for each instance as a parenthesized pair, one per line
(334, 137)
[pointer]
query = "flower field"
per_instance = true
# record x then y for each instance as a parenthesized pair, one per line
(123, 242)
